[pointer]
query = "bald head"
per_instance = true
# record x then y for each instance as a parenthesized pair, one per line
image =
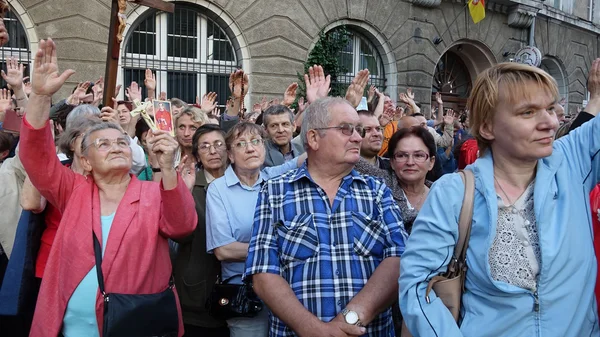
(407, 122)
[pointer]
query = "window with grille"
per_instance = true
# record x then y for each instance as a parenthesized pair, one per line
(189, 52)
(17, 46)
(359, 54)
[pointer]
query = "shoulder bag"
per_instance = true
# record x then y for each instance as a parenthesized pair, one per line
(449, 286)
(233, 300)
(133, 315)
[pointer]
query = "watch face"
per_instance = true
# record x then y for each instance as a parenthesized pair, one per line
(351, 317)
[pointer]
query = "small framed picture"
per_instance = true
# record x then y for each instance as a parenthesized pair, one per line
(163, 116)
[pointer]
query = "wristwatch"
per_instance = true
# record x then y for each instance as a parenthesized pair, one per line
(351, 317)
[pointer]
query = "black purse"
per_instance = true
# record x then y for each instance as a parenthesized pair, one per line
(233, 300)
(145, 315)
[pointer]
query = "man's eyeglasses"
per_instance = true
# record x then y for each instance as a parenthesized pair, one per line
(418, 157)
(347, 129)
(105, 144)
(244, 144)
(205, 147)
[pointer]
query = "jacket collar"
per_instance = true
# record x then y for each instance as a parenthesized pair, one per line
(302, 173)
(201, 179)
(232, 179)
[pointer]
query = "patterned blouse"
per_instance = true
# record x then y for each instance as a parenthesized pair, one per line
(515, 253)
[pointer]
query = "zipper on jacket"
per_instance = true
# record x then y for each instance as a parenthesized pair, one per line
(536, 302)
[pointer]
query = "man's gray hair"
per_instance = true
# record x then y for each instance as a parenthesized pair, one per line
(85, 142)
(81, 110)
(277, 109)
(318, 115)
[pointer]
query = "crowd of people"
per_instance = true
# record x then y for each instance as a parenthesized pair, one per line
(307, 216)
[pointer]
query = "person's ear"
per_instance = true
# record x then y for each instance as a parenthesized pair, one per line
(230, 156)
(431, 163)
(4, 154)
(85, 163)
(487, 131)
(312, 138)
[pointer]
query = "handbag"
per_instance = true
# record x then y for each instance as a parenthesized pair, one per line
(233, 300)
(144, 315)
(449, 286)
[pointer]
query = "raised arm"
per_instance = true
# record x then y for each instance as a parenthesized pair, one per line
(37, 152)
(14, 79)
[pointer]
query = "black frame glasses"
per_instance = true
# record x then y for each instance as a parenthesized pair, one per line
(347, 129)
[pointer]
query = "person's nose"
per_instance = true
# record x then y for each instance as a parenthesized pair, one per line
(212, 149)
(548, 120)
(187, 132)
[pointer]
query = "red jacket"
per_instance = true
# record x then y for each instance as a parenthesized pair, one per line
(595, 204)
(136, 259)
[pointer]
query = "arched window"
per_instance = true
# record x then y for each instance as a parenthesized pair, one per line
(554, 67)
(17, 45)
(189, 51)
(359, 54)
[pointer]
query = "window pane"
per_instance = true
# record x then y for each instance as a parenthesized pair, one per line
(182, 46)
(220, 85)
(182, 85)
(184, 23)
(141, 43)
(17, 37)
(219, 50)
(148, 25)
(367, 57)
(138, 76)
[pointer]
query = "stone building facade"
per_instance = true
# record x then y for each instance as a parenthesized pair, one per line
(194, 49)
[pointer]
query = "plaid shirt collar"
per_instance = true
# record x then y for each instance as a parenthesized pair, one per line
(302, 173)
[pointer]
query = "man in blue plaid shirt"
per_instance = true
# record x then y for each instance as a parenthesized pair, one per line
(326, 241)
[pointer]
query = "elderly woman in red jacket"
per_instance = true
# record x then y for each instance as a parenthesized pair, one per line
(140, 216)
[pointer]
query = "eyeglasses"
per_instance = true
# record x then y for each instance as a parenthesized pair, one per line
(105, 144)
(369, 129)
(418, 157)
(205, 147)
(347, 129)
(244, 144)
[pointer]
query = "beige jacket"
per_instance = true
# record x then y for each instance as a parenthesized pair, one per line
(12, 176)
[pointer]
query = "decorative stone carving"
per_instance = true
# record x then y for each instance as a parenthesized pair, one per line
(427, 3)
(520, 16)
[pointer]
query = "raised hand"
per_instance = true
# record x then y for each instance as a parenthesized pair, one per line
(5, 100)
(162, 96)
(110, 114)
(238, 84)
(410, 93)
(48, 80)
(317, 85)
(264, 104)
(449, 118)
(163, 147)
(98, 90)
(14, 73)
(301, 105)
(357, 88)
(187, 170)
(79, 94)
(256, 108)
(150, 80)
(594, 80)
(216, 113)
(438, 98)
(290, 94)
(371, 94)
(134, 92)
(404, 98)
(209, 102)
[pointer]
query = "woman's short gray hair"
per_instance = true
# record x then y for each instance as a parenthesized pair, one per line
(82, 110)
(85, 143)
(78, 127)
(318, 115)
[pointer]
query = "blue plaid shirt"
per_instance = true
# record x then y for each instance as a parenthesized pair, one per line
(326, 253)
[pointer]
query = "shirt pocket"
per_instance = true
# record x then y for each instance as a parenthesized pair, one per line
(298, 238)
(369, 235)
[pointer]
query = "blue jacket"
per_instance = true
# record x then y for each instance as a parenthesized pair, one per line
(565, 292)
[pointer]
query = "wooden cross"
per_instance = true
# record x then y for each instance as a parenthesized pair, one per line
(115, 36)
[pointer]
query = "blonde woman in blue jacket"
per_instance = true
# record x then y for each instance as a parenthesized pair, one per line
(531, 262)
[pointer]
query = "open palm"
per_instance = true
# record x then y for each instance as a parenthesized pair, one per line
(45, 70)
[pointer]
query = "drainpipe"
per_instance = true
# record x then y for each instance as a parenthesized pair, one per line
(591, 12)
(531, 41)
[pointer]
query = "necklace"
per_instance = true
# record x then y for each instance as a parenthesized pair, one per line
(503, 192)
(420, 199)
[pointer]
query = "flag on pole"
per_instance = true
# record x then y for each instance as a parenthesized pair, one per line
(477, 10)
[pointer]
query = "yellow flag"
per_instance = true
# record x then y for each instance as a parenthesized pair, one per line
(477, 10)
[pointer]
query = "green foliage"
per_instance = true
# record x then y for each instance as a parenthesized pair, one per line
(326, 53)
